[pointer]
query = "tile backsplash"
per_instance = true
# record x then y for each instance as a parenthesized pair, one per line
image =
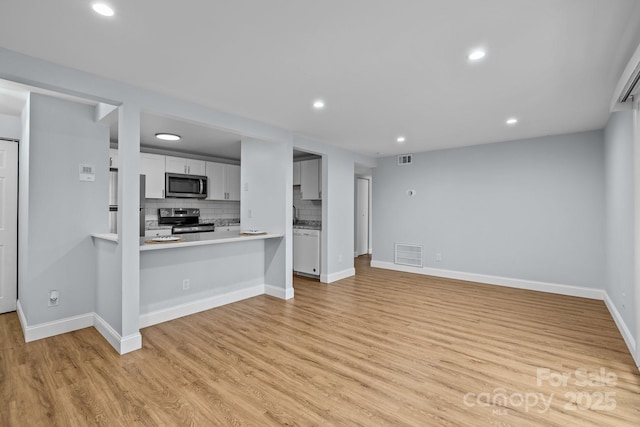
(222, 212)
(308, 210)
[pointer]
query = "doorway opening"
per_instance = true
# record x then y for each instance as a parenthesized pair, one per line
(362, 211)
(307, 213)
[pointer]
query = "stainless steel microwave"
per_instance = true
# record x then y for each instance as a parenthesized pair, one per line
(185, 186)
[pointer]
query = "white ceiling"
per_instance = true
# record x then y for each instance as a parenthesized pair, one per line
(384, 68)
(196, 139)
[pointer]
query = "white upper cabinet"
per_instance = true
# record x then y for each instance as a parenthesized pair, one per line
(153, 167)
(196, 167)
(232, 176)
(311, 179)
(223, 181)
(185, 166)
(176, 164)
(296, 173)
(113, 158)
(215, 181)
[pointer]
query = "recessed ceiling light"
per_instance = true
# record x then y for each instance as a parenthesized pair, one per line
(476, 55)
(168, 136)
(103, 9)
(401, 139)
(512, 121)
(318, 104)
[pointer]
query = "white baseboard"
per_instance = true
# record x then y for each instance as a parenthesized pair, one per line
(170, 313)
(122, 345)
(554, 288)
(131, 343)
(622, 327)
(55, 327)
(334, 277)
(277, 292)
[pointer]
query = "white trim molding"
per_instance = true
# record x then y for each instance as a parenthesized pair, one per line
(55, 327)
(275, 291)
(622, 327)
(75, 323)
(334, 277)
(174, 312)
(121, 344)
(554, 288)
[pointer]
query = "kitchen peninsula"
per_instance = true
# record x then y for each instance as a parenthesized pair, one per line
(199, 272)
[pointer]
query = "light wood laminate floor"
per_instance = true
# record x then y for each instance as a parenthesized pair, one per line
(383, 348)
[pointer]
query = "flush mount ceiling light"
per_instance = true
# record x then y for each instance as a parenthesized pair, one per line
(401, 139)
(476, 55)
(512, 121)
(168, 136)
(103, 9)
(318, 104)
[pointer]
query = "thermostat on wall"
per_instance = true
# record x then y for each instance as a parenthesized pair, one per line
(87, 173)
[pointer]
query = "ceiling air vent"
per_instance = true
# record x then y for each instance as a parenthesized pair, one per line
(407, 254)
(405, 159)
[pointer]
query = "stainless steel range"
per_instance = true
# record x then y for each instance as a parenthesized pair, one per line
(183, 220)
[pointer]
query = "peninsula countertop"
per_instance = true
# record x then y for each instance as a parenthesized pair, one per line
(193, 239)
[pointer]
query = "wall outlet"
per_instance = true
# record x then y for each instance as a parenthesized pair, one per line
(186, 284)
(249, 214)
(340, 258)
(438, 257)
(54, 298)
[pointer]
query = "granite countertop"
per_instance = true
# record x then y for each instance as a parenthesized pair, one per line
(308, 225)
(206, 238)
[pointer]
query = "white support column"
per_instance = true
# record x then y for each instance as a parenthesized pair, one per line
(128, 223)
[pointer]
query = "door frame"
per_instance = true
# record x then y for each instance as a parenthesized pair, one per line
(367, 248)
(13, 307)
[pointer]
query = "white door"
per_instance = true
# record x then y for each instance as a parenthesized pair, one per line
(8, 225)
(362, 217)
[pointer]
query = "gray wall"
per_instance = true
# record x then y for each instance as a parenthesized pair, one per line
(267, 178)
(212, 270)
(10, 126)
(60, 212)
(108, 278)
(619, 269)
(528, 209)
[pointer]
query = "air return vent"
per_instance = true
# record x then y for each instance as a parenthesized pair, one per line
(407, 254)
(405, 159)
